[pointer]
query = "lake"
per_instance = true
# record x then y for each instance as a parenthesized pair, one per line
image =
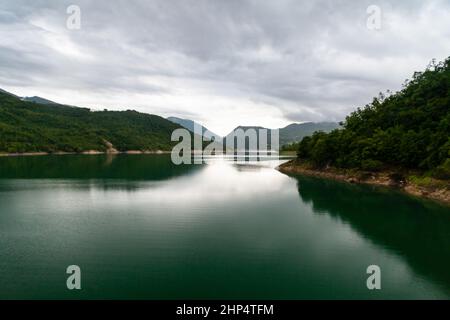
(140, 227)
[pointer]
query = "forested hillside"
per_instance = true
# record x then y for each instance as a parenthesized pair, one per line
(31, 127)
(409, 129)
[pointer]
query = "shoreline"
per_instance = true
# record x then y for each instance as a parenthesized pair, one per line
(389, 179)
(87, 152)
(97, 152)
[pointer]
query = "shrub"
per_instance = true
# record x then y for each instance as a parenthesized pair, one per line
(371, 165)
(443, 171)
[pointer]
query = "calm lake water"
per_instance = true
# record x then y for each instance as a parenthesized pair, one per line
(140, 227)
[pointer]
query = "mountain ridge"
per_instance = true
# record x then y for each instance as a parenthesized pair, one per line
(295, 132)
(189, 124)
(37, 99)
(22, 125)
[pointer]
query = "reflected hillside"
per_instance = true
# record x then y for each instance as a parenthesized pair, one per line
(416, 230)
(127, 167)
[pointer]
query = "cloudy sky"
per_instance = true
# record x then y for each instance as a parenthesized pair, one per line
(222, 63)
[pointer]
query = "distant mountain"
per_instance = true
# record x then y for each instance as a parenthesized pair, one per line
(34, 99)
(31, 127)
(245, 128)
(33, 124)
(38, 100)
(247, 147)
(189, 124)
(295, 132)
(8, 93)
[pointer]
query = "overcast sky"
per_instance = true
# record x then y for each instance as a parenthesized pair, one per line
(220, 62)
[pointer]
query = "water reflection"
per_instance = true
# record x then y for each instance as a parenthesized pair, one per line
(416, 230)
(219, 230)
(128, 167)
(104, 172)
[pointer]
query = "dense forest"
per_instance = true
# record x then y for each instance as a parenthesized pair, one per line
(31, 127)
(409, 129)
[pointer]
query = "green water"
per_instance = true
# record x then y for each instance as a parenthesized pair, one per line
(140, 227)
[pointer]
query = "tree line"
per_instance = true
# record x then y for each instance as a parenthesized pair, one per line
(408, 129)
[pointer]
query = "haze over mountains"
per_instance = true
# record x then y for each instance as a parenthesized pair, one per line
(297, 131)
(34, 99)
(190, 125)
(37, 99)
(294, 132)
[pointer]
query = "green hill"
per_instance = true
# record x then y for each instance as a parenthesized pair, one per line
(32, 127)
(409, 129)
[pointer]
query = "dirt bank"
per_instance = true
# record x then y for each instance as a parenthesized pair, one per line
(438, 190)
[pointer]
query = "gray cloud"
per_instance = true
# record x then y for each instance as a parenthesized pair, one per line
(209, 59)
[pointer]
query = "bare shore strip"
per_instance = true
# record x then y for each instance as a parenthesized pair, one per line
(437, 190)
(88, 152)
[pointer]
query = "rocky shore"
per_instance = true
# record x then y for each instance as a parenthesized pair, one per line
(434, 189)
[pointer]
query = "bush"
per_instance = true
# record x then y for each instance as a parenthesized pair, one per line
(443, 171)
(371, 165)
